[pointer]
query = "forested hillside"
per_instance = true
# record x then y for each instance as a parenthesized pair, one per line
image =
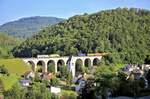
(26, 27)
(7, 43)
(123, 33)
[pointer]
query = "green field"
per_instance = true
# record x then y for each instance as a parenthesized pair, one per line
(9, 81)
(15, 66)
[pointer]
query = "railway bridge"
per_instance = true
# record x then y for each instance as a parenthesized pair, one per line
(70, 61)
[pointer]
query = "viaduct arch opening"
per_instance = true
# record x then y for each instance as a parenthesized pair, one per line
(40, 66)
(32, 64)
(78, 66)
(87, 62)
(51, 66)
(60, 63)
(96, 62)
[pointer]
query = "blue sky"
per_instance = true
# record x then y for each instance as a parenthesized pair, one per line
(14, 9)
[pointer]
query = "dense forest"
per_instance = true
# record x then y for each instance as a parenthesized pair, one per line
(7, 43)
(123, 33)
(26, 27)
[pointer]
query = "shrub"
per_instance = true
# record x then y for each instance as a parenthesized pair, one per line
(37, 78)
(66, 94)
(69, 78)
(39, 70)
(51, 68)
(3, 70)
(54, 96)
(54, 81)
(63, 71)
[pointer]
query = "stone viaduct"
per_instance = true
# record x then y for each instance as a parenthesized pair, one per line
(71, 63)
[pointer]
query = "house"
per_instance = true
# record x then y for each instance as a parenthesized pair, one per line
(25, 83)
(47, 76)
(137, 73)
(136, 70)
(81, 81)
(29, 74)
(81, 85)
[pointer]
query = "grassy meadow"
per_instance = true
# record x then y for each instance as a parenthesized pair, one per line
(15, 67)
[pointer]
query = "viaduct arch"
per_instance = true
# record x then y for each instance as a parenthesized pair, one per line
(87, 61)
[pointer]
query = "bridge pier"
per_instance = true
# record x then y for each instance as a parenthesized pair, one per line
(34, 68)
(56, 66)
(45, 68)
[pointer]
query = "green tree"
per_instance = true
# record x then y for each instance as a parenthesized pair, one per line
(88, 92)
(3, 70)
(106, 79)
(63, 71)
(37, 78)
(69, 78)
(148, 77)
(1, 86)
(51, 68)
(15, 93)
(54, 81)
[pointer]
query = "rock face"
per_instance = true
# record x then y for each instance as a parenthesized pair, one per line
(26, 27)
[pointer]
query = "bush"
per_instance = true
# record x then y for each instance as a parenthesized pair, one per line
(37, 78)
(39, 70)
(54, 96)
(51, 68)
(84, 69)
(66, 94)
(69, 78)
(1, 86)
(3, 70)
(63, 71)
(54, 81)
(36, 91)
